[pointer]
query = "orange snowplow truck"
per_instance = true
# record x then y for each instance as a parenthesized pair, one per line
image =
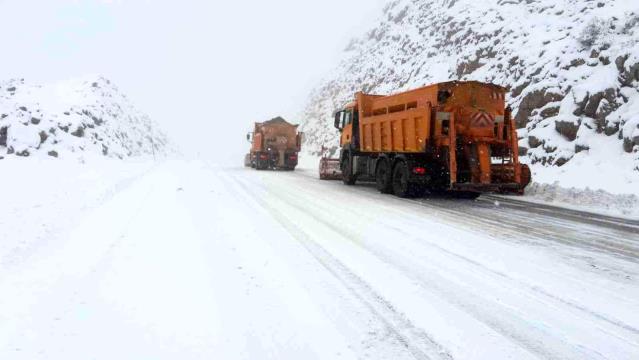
(454, 136)
(275, 144)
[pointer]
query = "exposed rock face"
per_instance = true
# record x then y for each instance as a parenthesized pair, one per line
(572, 68)
(73, 118)
(3, 136)
(567, 128)
(532, 101)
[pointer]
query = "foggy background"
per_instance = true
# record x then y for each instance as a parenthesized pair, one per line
(204, 70)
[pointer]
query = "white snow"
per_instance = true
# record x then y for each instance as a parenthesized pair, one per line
(183, 259)
(601, 167)
(40, 198)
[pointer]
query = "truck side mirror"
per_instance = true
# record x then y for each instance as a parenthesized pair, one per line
(248, 137)
(338, 120)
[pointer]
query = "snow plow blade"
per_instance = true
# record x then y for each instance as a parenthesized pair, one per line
(329, 169)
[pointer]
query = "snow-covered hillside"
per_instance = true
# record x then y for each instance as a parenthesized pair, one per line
(572, 68)
(73, 118)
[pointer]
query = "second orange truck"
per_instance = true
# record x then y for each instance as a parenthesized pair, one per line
(275, 144)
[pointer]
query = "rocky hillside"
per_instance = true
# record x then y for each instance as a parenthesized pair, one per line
(73, 118)
(572, 68)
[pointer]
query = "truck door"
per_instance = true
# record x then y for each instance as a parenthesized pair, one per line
(344, 122)
(347, 121)
(355, 135)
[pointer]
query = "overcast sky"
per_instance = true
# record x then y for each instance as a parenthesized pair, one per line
(205, 70)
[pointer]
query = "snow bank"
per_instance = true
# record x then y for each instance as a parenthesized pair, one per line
(597, 201)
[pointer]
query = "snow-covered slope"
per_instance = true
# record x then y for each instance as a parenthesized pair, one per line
(572, 68)
(72, 118)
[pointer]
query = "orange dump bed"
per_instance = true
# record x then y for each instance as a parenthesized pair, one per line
(404, 122)
(275, 135)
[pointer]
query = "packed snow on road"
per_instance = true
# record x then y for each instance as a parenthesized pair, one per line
(189, 260)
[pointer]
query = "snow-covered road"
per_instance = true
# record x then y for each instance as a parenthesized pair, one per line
(193, 261)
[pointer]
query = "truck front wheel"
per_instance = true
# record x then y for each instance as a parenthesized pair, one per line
(347, 171)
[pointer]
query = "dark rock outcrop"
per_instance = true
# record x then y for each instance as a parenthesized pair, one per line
(568, 129)
(532, 101)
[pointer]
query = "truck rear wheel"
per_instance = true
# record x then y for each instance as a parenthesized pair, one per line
(347, 171)
(383, 177)
(261, 165)
(402, 186)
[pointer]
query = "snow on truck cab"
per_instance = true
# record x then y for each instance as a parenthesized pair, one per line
(453, 136)
(275, 144)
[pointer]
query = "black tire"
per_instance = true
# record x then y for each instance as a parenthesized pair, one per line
(383, 177)
(402, 186)
(260, 165)
(347, 171)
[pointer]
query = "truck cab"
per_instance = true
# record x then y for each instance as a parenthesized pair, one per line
(346, 121)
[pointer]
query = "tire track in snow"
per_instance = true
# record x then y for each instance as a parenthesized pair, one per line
(503, 277)
(542, 230)
(481, 309)
(627, 225)
(534, 221)
(513, 233)
(546, 210)
(515, 222)
(415, 340)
